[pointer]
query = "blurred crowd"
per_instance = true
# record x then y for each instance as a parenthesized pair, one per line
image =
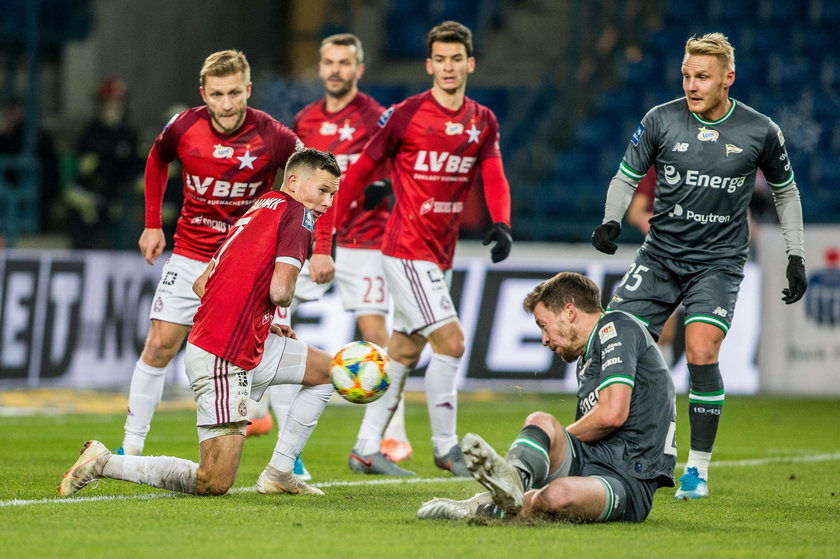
(92, 194)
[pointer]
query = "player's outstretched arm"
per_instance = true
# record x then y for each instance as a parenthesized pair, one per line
(152, 242)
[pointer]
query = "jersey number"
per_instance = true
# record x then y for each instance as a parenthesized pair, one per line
(636, 273)
(671, 440)
(239, 227)
(375, 291)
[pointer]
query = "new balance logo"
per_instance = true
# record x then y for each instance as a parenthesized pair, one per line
(680, 146)
(720, 312)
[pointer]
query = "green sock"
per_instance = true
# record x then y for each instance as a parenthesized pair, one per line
(529, 454)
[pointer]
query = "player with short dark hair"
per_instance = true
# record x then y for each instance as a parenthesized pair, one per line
(621, 447)
(230, 154)
(228, 359)
(342, 121)
(706, 148)
(437, 142)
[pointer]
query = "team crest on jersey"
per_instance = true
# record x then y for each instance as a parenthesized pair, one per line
(454, 128)
(383, 118)
(707, 134)
(637, 135)
(328, 129)
(308, 220)
(607, 332)
(732, 148)
(222, 152)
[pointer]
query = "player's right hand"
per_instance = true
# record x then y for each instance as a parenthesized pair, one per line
(152, 242)
(604, 235)
(321, 268)
(375, 192)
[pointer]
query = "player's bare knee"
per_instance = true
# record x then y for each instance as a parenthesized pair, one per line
(544, 421)
(555, 497)
(158, 351)
(702, 354)
(453, 347)
(209, 485)
(318, 364)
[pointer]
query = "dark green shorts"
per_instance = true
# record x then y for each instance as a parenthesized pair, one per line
(655, 286)
(629, 499)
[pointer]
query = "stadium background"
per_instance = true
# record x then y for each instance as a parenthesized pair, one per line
(569, 80)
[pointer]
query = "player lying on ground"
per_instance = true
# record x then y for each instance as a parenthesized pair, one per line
(621, 448)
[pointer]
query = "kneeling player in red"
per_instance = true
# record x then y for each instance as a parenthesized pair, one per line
(230, 354)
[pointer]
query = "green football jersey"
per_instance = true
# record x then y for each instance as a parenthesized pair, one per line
(705, 175)
(621, 350)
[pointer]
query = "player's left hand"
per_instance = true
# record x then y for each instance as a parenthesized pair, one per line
(375, 192)
(797, 280)
(283, 330)
(501, 235)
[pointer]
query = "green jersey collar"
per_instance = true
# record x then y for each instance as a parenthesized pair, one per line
(721, 119)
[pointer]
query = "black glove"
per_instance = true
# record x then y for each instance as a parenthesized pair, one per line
(797, 280)
(500, 234)
(375, 192)
(604, 235)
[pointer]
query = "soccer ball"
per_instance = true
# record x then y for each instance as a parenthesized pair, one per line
(358, 372)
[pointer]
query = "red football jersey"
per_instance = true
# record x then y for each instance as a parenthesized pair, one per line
(222, 174)
(344, 133)
(436, 153)
(235, 313)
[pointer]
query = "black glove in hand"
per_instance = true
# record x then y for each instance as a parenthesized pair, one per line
(797, 280)
(375, 192)
(501, 235)
(604, 235)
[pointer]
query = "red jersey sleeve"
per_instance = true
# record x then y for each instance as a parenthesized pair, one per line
(324, 227)
(294, 234)
(154, 179)
(164, 151)
(490, 147)
(382, 145)
(496, 190)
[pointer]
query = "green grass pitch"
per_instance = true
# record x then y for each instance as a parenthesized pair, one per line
(774, 482)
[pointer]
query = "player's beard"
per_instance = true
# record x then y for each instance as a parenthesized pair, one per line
(346, 86)
(240, 118)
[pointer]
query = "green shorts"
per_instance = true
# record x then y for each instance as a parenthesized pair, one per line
(629, 499)
(655, 286)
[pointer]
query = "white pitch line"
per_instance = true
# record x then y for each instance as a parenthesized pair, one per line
(402, 481)
(252, 489)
